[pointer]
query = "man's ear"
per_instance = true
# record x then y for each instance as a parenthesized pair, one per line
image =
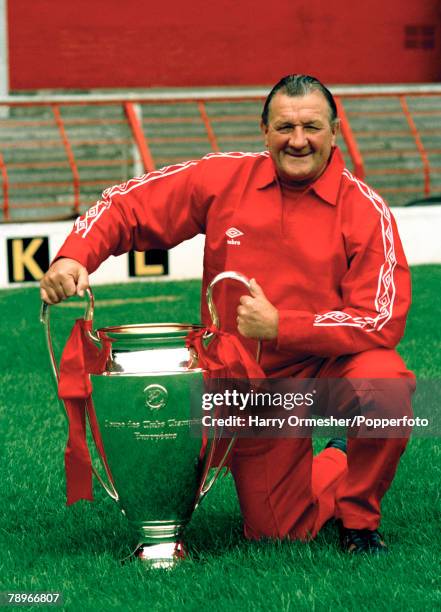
(264, 130)
(335, 128)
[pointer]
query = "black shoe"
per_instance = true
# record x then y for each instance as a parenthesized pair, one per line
(339, 443)
(359, 541)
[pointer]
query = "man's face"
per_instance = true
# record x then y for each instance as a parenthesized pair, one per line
(299, 136)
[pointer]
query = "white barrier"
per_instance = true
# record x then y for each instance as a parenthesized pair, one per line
(27, 249)
(420, 231)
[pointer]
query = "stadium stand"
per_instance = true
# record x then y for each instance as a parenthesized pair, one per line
(57, 153)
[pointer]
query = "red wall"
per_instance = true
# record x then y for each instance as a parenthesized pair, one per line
(136, 43)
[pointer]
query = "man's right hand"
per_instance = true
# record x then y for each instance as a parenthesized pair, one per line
(65, 277)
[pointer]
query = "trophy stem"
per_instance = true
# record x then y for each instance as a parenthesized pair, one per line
(160, 545)
(159, 532)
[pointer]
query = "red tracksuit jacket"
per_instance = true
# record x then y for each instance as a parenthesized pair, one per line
(330, 261)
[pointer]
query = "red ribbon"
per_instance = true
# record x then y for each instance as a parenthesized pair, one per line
(79, 359)
(224, 356)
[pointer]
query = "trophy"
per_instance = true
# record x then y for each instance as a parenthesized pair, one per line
(156, 468)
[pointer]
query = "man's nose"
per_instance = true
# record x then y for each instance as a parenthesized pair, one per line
(298, 138)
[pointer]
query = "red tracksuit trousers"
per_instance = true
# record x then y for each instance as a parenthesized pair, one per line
(285, 492)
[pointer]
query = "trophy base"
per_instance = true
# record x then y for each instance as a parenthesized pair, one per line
(159, 556)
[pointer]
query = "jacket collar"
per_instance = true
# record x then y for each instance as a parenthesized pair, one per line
(326, 186)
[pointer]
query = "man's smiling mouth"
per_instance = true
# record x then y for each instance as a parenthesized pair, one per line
(297, 154)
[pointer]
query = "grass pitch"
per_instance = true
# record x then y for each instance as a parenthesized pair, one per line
(46, 546)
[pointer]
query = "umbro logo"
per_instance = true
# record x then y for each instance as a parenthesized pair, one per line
(233, 233)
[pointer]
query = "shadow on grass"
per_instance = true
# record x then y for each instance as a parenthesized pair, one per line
(217, 534)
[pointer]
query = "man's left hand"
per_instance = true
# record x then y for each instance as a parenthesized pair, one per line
(256, 317)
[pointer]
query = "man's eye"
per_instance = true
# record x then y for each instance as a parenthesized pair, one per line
(284, 129)
(312, 128)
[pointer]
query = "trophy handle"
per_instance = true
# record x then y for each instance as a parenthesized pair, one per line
(206, 486)
(88, 316)
(230, 275)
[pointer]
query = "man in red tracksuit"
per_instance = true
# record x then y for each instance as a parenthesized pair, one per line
(330, 300)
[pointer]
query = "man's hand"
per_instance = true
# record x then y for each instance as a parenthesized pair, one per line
(256, 317)
(66, 277)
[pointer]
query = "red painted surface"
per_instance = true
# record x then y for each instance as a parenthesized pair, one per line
(139, 43)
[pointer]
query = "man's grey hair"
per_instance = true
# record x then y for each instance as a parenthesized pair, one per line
(300, 85)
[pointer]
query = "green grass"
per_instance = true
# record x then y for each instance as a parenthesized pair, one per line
(47, 546)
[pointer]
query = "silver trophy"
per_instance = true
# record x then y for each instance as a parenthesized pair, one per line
(158, 469)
